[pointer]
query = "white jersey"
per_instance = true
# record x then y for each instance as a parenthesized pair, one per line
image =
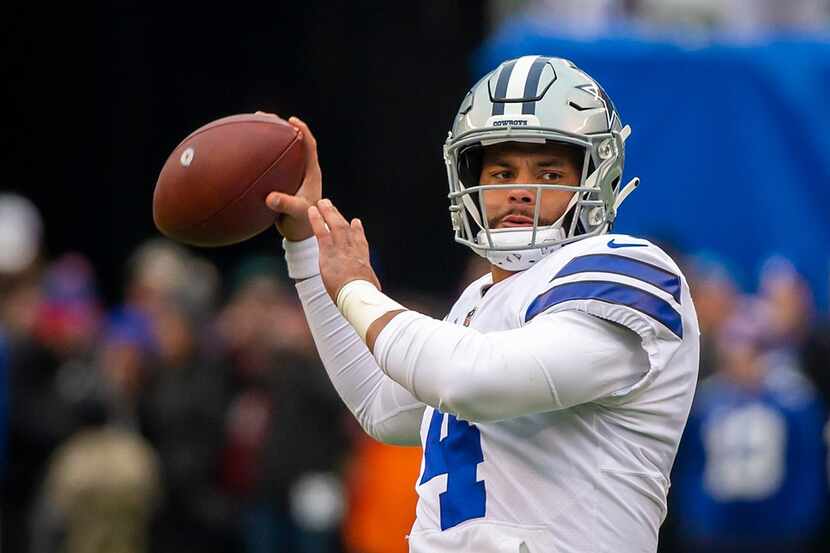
(588, 478)
(550, 422)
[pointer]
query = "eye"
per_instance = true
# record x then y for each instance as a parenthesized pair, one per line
(551, 175)
(504, 174)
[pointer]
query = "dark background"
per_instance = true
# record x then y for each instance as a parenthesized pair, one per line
(100, 94)
(97, 95)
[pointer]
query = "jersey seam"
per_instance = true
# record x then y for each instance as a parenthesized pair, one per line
(397, 411)
(551, 387)
(655, 475)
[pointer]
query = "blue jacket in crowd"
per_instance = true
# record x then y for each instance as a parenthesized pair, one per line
(752, 464)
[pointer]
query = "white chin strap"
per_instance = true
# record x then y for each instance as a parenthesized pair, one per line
(519, 259)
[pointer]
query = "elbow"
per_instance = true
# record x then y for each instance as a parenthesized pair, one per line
(374, 430)
(466, 408)
(470, 399)
(403, 429)
(377, 432)
(381, 435)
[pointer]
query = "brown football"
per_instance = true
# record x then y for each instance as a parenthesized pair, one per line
(212, 188)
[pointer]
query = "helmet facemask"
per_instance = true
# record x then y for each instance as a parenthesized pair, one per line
(590, 211)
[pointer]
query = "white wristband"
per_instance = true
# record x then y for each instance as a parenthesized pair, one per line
(303, 258)
(361, 303)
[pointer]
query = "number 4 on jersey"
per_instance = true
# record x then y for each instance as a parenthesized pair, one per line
(457, 456)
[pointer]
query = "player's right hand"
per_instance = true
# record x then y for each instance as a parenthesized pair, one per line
(292, 211)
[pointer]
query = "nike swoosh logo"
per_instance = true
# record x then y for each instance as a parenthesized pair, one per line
(614, 245)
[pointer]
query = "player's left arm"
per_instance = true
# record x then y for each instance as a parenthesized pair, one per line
(557, 361)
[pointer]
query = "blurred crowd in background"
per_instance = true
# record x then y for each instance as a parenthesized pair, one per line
(194, 415)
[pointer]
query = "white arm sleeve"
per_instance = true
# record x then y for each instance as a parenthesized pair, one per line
(385, 410)
(557, 361)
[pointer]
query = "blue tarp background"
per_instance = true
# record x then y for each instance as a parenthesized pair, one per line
(731, 141)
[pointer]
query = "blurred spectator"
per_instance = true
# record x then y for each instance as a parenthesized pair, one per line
(751, 471)
(175, 391)
(70, 314)
(20, 299)
(125, 359)
(102, 487)
(160, 271)
(20, 244)
(21, 228)
(183, 410)
(51, 374)
(102, 484)
(788, 304)
(284, 428)
(715, 296)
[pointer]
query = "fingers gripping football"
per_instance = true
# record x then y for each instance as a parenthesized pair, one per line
(312, 187)
(344, 250)
(292, 211)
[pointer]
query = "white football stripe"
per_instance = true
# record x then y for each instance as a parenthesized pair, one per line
(516, 84)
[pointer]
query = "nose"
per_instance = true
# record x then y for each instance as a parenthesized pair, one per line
(521, 196)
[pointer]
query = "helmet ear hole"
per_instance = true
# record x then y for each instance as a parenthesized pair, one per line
(469, 165)
(568, 220)
(591, 166)
(577, 154)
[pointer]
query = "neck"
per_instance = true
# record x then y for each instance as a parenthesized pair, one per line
(500, 274)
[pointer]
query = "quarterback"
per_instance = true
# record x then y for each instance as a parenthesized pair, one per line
(551, 399)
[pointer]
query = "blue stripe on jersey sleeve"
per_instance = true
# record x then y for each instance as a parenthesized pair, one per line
(610, 292)
(626, 266)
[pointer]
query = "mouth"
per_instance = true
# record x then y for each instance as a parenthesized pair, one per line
(514, 220)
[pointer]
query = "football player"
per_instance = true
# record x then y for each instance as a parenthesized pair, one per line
(551, 399)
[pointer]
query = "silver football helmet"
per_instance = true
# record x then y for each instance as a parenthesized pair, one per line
(536, 99)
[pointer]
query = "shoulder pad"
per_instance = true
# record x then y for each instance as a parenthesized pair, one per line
(620, 278)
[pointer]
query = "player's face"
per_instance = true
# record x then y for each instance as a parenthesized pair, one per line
(515, 163)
